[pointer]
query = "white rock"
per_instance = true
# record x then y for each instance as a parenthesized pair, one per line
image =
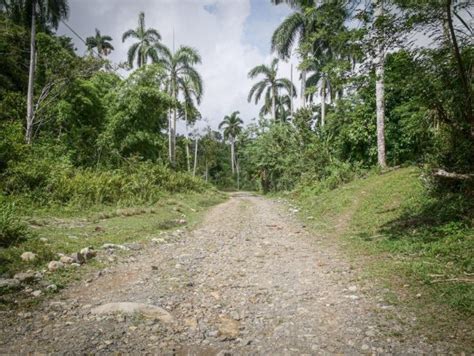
(148, 311)
(28, 256)
(43, 239)
(114, 247)
(52, 288)
(25, 277)
(66, 260)
(36, 293)
(88, 253)
(352, 288)
(9, 283)
(55, 265)
(78, 258)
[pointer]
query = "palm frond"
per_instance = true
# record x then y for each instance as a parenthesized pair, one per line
(260, 69)
(132, 53)
(284, 37)
(128, 34)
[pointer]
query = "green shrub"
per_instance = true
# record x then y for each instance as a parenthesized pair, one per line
(12, 230)
(55, 181)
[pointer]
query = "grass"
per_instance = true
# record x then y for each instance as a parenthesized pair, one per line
(67, 230)
(420, 246)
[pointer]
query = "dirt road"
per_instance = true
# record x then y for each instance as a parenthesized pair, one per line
(249, 279)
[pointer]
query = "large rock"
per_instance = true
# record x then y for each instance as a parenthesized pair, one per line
(28, 256)
(229, 327)
(133, 246)
(148, 311)
(66, 260)
(9, 283)
(114, 247)
(88, 253)
(55, 265)
(78, 258)
(25, 277)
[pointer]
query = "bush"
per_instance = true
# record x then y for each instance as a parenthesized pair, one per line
(12, 230)
(55, 181)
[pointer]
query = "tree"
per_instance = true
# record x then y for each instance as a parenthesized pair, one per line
(296, 27)
(232, 125)
(136, 116)
(147, 45)
(319, 78)
(283, 107)
(270, 83)
(189, 113)
(48, 13)
(183, 78)
(379, 86)
(101, 43)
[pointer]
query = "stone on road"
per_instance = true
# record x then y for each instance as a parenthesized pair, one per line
(249, 280)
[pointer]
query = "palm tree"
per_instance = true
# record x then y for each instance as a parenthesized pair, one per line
(183, 78)
(33, 14)
(101, 43)
(283, 107)
(270, 83)
(232, 125)
(296, 27)
(146, 47)
(319, 79)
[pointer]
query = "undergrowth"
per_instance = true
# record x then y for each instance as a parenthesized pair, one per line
(406, 230)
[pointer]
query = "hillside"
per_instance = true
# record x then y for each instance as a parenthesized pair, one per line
(419, 246)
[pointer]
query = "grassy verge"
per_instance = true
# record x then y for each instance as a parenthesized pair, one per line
(421, 247)
(68, 230)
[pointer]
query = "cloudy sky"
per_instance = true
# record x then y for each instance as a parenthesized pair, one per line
(232, 36)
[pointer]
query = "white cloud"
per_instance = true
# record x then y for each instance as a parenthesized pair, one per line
(217, 34)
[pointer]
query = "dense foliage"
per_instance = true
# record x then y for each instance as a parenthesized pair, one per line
(97, 137)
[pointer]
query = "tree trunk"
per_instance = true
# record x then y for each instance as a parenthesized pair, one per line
(31, 78)
(174, 138)
(461, 69)
(195, 156)
(232, 155)
(237, 168)
(291, 91)
(188, 158)
(323, 101)
(380, 92)
(170, 138)
(274, 103)
(172, 128)
(303, 88)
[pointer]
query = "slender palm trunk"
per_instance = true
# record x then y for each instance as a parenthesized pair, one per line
(232, 155)
(31, 78)
(195, 156)
(170, 140)
(237, 169)
(171, 130)
(463, 75)
(188, 158)
(291, 91)
(274, 103)
(380, 93)
(323, 101)
(174, 138)
(303, 88)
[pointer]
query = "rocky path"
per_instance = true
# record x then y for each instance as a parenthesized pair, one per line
(250, 280)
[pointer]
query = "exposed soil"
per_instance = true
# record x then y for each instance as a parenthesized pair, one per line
(250, 279)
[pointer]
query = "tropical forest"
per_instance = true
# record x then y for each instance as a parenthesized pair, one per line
(233, 177)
